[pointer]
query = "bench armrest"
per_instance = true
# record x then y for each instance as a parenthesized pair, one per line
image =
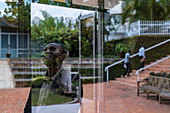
(142, 81)
(138, 82)
(163, 87)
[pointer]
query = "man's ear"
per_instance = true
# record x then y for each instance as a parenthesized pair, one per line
(63, 56)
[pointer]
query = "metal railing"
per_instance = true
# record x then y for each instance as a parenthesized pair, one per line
(148, 27)
(107, 68)
(137, 72)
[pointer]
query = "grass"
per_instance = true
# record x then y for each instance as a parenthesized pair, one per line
(51, 100)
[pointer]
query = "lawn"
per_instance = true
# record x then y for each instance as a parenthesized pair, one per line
(52, 98)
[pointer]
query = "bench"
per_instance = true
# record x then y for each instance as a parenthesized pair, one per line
(156, 85)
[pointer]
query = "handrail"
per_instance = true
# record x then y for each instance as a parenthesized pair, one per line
(107, 68)
(137, 72)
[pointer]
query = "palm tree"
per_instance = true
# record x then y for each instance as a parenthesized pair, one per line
(134, 10)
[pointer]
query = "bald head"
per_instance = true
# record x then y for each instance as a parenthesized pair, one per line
(53, 54)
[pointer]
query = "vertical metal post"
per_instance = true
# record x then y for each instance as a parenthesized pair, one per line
(17, 43)
(107, 75)
(139, 25)
(79, 63)
(94, 53)
(0, 42)
(138, 78)
(9, 48)
(99, 99)
(100, 37)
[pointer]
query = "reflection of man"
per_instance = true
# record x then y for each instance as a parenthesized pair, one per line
(57, 83)
(53, 57)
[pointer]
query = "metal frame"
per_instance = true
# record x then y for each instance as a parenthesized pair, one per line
(93, 15)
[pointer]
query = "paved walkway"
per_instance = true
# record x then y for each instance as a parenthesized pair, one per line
(6, 78)
(113, 97)
(13, 100)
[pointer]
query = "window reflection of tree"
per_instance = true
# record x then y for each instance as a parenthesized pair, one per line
(87, 38)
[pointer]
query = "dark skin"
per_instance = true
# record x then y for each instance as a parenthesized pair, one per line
(53, 57)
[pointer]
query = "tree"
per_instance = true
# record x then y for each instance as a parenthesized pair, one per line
(58, 30)
(18, 13)
(134, 10)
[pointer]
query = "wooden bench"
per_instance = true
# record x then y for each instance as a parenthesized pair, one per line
(156, 85)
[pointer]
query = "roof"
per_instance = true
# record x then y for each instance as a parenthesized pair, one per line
(117, 9)
(5, 23)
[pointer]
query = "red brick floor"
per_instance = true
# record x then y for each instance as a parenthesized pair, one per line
(13, 100)
(116, 98)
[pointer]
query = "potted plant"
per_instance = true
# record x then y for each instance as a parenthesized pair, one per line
(8, 55)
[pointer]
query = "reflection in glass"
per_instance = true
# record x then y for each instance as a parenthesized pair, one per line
(91, 3)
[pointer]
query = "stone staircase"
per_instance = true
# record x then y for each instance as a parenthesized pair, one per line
(24, 70)
(163, 66)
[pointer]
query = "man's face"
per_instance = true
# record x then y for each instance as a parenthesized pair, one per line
(52, 55)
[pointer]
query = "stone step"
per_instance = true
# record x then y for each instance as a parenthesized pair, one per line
(28, 73)
(161, 66)
(158, 69)
(135, 77)
(23, 80)
(126, 80)
(125, 83)
(164, 63)
(28, 69)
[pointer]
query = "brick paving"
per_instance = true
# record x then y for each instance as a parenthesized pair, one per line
(113, 97)
(13, 100)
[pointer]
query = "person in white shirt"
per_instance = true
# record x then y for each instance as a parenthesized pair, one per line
(127, 64)
(142, 57)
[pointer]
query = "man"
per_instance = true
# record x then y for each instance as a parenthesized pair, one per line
(142, 57)
(127, 64)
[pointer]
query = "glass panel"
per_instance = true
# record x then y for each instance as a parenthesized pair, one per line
(3, 53)
(4, 41)
(86, 67)
(13, 41)
(23, 42)
(13, 53)
(91, 3)
(87, 38)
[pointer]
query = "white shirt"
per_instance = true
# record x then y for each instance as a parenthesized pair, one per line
(142, 52)
(127, 57)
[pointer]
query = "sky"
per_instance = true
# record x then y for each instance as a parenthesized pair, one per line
(2, 6)
(56, 11)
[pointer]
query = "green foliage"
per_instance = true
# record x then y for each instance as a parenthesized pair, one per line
(37, 81)
(161, 74)
(18, 13)
(52, 99)
(58, 30)
(121, 48)
(134, 10)
(75, 83)
(134, 43)
(152, 73)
